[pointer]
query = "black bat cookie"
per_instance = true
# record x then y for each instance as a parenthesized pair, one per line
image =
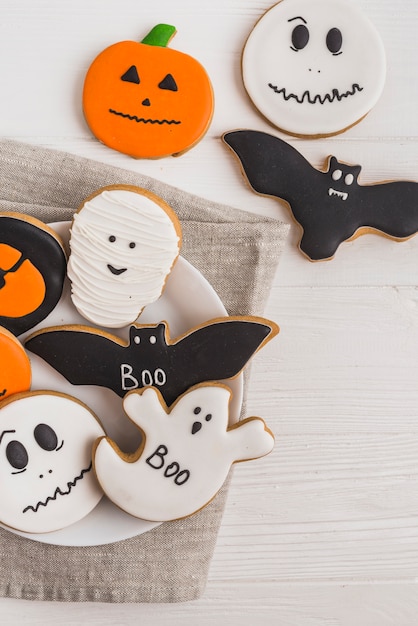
(216, 350)
(331, 207)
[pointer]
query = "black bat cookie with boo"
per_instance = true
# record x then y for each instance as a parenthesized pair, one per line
(330, 206)
(217, 350)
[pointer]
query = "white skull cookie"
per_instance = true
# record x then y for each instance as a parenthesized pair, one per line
(185, 455)
(314, 67)
(46, 442)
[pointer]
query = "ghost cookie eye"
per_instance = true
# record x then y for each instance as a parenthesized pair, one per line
(46, 438)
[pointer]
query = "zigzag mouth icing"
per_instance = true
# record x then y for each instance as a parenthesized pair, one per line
(340, 194)
(143, 120)
(59, 492)
(317, 98)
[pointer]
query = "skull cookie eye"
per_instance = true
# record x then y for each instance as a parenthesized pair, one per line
(17, 455)
(334, 41)
(300, 37)
(45, 437)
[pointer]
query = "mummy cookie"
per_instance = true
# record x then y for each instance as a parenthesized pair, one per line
(15, 368)
(185, 456)
(314, 67)
(124, 242)
(216, 350)
(329, 206)
(46, 442)
(147, 100)
(32, 271)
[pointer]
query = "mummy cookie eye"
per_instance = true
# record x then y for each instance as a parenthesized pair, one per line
(300, 37)
(45, 437)
(336, 174)
(349, 179)
(17, 455)
(112, 238)
(334, 41)
(131, 76)
(168, 83)
(132, 245)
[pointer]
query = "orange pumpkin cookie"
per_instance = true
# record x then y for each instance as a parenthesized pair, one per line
(15, 369)
(33, 265)
(147, 100)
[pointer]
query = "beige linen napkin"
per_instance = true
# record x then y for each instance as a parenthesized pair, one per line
(238, 253)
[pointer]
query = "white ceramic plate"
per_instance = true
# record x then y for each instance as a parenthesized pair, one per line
(187, 301)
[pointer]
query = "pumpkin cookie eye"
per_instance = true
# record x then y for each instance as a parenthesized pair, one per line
(131, 76)
(168, 83)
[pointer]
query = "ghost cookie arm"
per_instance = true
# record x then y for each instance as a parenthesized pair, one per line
(250, 439)
(146, 409)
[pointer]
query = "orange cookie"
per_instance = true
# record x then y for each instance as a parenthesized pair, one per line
(15, 369)
(147, 100)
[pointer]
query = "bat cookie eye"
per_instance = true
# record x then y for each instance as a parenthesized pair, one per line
(300, 37)
(17, 455)
(45, 437)
(349, 179)
(334, 41)
(336, 174)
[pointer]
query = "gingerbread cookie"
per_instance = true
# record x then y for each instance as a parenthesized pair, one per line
(124, 242)
(46, 441)
(314, 67)
(15, 368)
(330, 206)
(185, 456)
(216, 350)
(32, 270)
(147, 100)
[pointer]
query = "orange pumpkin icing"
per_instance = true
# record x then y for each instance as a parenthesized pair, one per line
(22, 287)
(147, 100)
(15, 369)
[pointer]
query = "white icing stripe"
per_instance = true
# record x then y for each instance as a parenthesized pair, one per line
(123, 245)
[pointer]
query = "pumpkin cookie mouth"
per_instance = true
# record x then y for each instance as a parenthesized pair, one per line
(143, 120)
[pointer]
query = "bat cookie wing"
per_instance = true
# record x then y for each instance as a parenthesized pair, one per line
(271, 166)
(79, 354)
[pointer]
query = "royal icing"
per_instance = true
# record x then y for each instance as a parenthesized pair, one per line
(147, 100)
(330, 206)
(216, 350)
(32, 271)
(124, 242)
(15, 368)
(314, 67)
(185, 456)
(46, 442)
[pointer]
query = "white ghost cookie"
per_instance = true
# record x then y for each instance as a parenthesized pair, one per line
(124, 242)
(46, 442)
(314, 67)
(185, 455)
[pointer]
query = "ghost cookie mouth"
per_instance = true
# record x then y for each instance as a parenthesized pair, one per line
(340, 194)
(59, 492)
(143, 120)
(309, 98)
(116, 271)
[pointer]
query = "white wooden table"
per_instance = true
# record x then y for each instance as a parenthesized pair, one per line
(324, 531)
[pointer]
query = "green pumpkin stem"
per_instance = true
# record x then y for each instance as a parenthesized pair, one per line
(160, 35)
